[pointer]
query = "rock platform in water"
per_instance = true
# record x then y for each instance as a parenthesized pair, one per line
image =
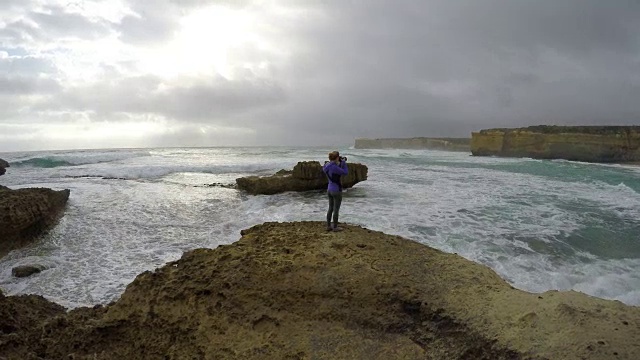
(305, 176)
(294, 291)
(26, 213)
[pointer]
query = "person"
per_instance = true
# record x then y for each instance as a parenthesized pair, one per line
(335, 168)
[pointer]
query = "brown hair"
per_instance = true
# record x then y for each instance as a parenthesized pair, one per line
(333, 155)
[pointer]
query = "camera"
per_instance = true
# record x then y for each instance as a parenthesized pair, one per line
(343, 158)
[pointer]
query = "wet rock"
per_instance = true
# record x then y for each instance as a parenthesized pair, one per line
(27, 213)
(305, 176)
(221, 185)
(3, 166)
(26, 270)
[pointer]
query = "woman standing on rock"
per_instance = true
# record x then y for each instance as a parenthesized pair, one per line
(334, 168)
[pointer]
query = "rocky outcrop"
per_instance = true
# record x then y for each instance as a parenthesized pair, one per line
(305, 176)
(604, 144)
(3, 166)
(26, 270)
(294, 291)
(448, 144)
(20, 317)
(26, 213)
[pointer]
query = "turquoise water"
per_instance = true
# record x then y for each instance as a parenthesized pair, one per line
(541, 225)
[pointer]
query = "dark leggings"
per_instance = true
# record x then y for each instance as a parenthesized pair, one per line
(335, 199)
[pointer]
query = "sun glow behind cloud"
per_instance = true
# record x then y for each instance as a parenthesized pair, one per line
(203, 44)
(286, 69)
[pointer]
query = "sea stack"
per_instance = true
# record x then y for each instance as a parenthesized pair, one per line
(26, 213)
(599, 144)
(305, 176)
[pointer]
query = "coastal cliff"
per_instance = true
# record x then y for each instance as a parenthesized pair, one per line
(449, 144)
(295, 291)
(604, 144)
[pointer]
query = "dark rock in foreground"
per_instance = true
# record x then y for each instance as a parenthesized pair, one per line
(305, 176)
(21, 317)
(602, 144)
(3, 166)
(26, 213)
(294, 291)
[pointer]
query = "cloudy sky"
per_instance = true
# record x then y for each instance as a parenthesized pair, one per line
(138, 73)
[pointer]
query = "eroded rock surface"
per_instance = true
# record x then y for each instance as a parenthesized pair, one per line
(26, 270)
(305, 176)
(26, 213)
(294, 291)
(604, 144)
(3, 166)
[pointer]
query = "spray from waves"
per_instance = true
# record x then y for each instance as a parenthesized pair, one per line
(75, 159)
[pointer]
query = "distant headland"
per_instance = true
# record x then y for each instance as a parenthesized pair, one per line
(602, 144)
(598, 144)
(449, 144)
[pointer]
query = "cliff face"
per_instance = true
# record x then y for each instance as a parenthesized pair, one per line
(25, 213)
(305, 176)
(295, 291)
(449, 144)
(579, 143)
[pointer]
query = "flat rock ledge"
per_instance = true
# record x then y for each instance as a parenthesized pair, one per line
(27, 213)
(294, 291)
(305, 176)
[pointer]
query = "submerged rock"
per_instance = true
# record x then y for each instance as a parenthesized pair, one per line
(604, 144)
(305, 176)
(294, 291)
(26, 213)
(26, 270)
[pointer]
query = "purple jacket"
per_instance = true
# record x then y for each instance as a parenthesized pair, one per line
(334, 172)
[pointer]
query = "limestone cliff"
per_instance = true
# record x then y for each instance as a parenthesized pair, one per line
(578, 143)
(449, 144)
(305, 176)
(295, 291)
(25, 213)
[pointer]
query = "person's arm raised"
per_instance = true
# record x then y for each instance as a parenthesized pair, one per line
(342, 169)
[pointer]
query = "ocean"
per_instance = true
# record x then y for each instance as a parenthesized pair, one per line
(541, 225)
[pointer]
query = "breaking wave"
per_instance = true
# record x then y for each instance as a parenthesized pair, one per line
(45, 162)
(76, 158)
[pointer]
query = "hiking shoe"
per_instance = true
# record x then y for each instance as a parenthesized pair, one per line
(337, 228)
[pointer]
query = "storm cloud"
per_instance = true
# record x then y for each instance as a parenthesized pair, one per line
(199, 73)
